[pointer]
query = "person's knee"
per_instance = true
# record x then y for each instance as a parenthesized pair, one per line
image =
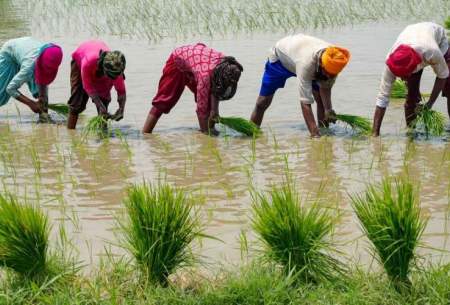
(263, 103)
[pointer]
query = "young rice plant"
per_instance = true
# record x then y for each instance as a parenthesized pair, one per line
(433, 122)
(24, 235)
(295, 236)
(241, 125)
(389, 214)
(160, 226)
(357, 123)
(97, 126)
(399, 89)
(61, 109)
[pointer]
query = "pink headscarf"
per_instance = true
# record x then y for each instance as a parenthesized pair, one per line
(47, 65)
(403, 61)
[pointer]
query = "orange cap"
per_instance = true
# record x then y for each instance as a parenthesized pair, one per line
(334, 59)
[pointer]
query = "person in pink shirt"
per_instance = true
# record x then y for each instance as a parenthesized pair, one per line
(210, 75)
(95, 69)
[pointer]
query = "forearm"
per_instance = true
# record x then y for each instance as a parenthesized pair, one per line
(377, 120)
(439, 85)
(43, 97)
(25, 100)
(121, 100)
(308, 115)
(325, 94)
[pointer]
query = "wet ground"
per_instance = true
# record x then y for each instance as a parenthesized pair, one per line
(82, 184)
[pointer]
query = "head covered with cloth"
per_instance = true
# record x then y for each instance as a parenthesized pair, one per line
(403, 61)
(112, 63)
(334, 59)
(225, 78)
(47, 65)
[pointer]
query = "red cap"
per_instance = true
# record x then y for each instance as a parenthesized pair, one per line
(403, 61)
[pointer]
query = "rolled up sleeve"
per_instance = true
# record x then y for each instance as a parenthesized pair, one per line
(437, 61)
(305, 90)
(387, 80)
(24, 75)
(119, 85)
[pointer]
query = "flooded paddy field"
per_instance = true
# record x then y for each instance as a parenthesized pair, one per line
(81, 183)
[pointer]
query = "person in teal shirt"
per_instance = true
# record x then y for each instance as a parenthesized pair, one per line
(27, 60)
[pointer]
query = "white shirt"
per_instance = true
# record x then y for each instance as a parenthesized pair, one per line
(430, 41)
(300, 54)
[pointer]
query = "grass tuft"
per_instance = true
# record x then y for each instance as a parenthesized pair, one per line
(357, 123)
(390, 217)
(295, 236)
(433, 122)
(61, 109)
(241, 125)
(24, 235)
(399, 89)
(161, 224)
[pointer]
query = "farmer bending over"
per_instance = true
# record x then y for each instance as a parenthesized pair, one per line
(26, 60)
(316, 64)
(419, 45)
(210, 75)
(94, 71)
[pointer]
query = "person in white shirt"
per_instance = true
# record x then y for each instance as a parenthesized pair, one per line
(316, 64)
(418, 46)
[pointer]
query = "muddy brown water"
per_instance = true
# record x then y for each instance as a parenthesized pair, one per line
(82, 185)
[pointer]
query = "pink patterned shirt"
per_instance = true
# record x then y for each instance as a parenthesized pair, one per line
(86, 57)
(199, 61)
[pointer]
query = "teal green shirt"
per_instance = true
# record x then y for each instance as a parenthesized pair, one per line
(24, 52)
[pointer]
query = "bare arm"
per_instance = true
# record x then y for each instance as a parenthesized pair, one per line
(377, 120)
(439, 85)
(98, 102)
(121, 100)
(207, 123)
(310, 121)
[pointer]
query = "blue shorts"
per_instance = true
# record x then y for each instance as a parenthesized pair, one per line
(274, 78)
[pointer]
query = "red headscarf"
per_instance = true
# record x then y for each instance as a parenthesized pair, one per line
(403, 61)
(47, 65)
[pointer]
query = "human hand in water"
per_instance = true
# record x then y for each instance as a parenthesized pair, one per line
(330, 116)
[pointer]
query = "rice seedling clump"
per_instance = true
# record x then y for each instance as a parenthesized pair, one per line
(61, 109)
(24, 235)
(433, 122)
(97, 126)
(160, 225)
(399, 89)
(389, 214)
(295, 236)
(357, 123)
(241, 125)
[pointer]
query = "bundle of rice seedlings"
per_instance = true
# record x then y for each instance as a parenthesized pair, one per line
(357, 123)
(389, 214)
(160, 225)
(399, 89)
(241, 125)
(295, 236)
(61, 109)
(24, 235)
(97, 126)
(433, 122)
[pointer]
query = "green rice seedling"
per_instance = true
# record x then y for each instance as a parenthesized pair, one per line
(241, 125)
(24, 235)
(432, 121)
(97, 126)
(399, 89)
(447, 23)
(160, 225)
(61, 109)
(357, 123)
(296, 236)
(389, 214)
